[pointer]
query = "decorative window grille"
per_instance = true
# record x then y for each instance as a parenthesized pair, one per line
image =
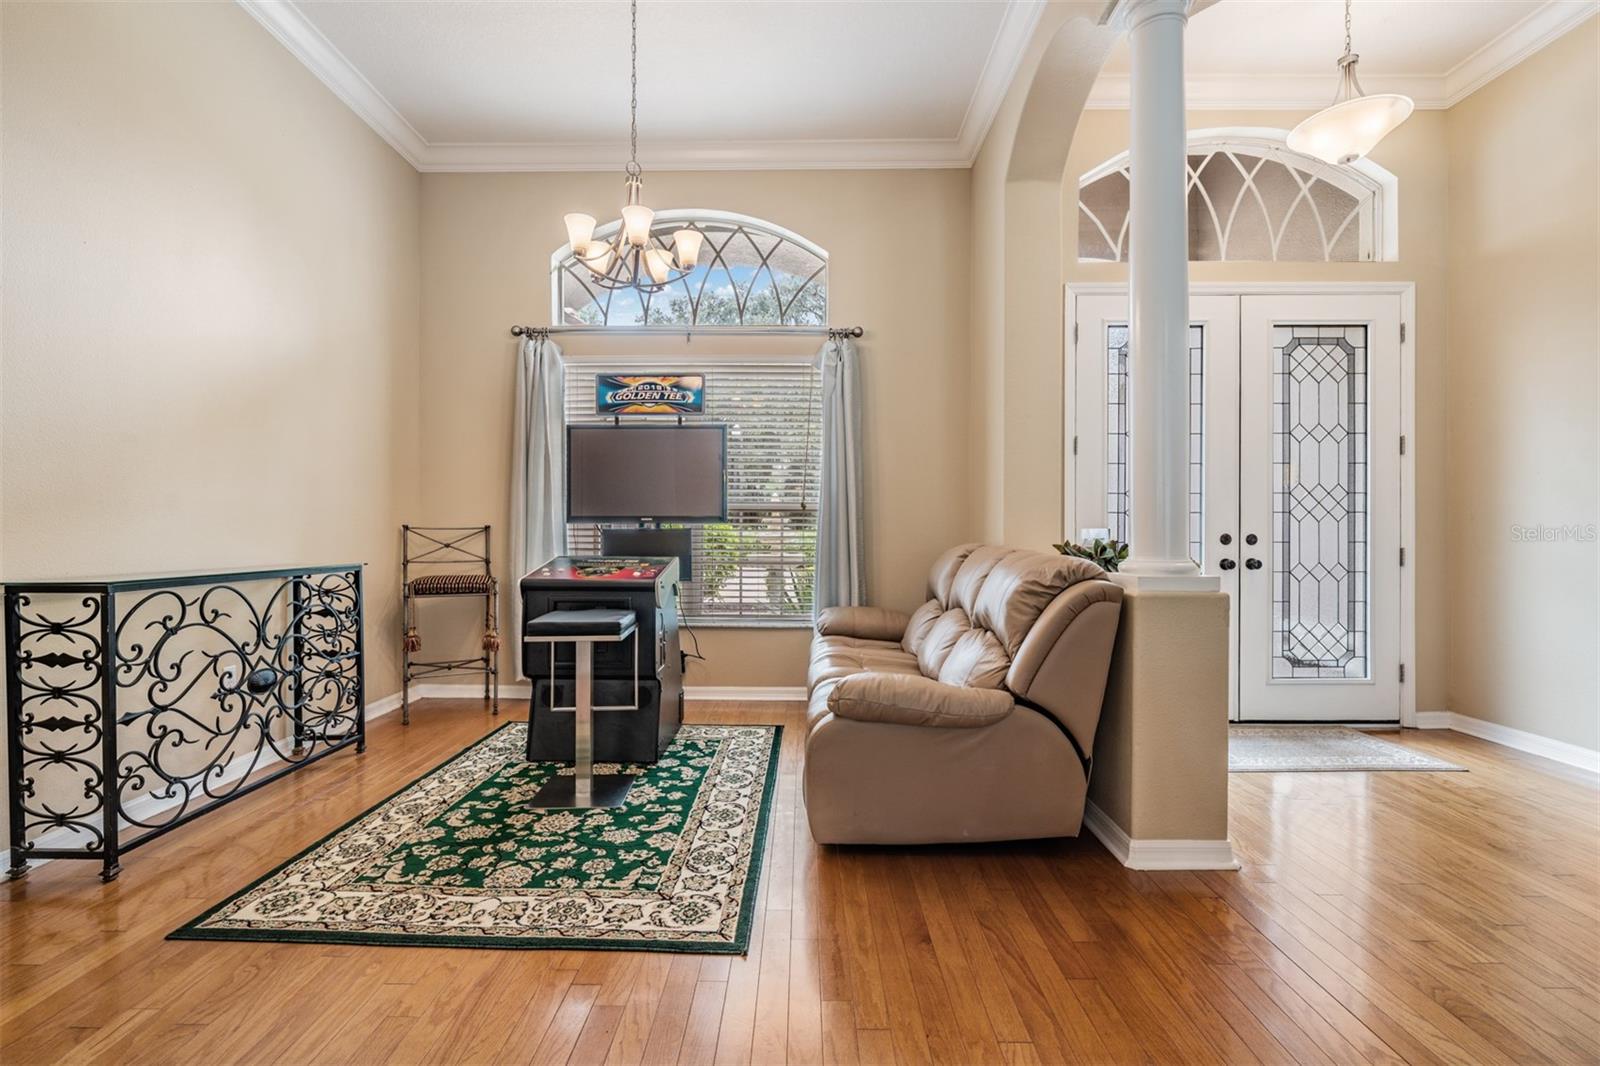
(750, 273)
(1251, 198)
(1320, 509)
(758, 568)
(1119, 442)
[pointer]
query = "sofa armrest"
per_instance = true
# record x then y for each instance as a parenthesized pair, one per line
(910, 699)
(867, 623)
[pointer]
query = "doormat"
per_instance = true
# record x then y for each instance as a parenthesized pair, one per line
(1262, 748)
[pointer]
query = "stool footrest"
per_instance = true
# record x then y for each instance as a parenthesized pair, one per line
(575, 625)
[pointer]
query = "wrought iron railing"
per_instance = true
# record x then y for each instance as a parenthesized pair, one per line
(135, 705)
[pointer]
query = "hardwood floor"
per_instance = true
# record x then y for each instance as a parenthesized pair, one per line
(1378, 918)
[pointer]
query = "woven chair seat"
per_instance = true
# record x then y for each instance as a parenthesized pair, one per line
(451, 585)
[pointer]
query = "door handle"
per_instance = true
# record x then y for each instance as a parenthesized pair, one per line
(1252, 564)
(1227, 564)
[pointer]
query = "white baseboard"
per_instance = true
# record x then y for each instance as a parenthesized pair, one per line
(379, 707)
(521, 690)
(467, 690)
(1433, 719)
(1157, 854)
(1520, 740)
(747, 693)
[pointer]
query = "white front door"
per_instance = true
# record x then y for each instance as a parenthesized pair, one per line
(1319, 508)
(1294, 424)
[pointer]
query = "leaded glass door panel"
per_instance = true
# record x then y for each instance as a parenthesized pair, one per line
(1319, 508)
(1100, 465)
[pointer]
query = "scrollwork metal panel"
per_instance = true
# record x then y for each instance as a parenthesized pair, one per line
(136, 705)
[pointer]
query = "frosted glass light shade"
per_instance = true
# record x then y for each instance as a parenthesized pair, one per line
(596, 255)
(636, 219)
(580, 229)
(657, 264)
(686, 246)
(1347, 131)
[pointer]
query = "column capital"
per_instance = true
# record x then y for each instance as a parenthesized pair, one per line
(1131, 14)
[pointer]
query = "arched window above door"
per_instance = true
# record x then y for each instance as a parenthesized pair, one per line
(750, 273)
(1252, 199)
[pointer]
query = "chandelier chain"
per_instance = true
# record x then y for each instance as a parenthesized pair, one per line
(1346, 27)
(627, 260)
(633, 103)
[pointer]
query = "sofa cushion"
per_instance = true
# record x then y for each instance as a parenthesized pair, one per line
(835, 657)
(973, 573)
(916, 701)
(922, 620)
(943, 572)
(1019, 587)
(942, 636)
(871, 623)
(976, 661)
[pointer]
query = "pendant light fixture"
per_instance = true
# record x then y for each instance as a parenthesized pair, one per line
(628, 260)
(1355, 122)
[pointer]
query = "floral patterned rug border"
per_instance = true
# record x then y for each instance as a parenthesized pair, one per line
(196, 929)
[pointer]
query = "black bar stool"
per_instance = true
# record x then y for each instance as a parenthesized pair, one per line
(583, 630)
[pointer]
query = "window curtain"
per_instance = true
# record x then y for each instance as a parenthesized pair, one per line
(841, 578)
(538, 518)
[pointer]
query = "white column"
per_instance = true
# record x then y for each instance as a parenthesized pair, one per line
(1158, 286)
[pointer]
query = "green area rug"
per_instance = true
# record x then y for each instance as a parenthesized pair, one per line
(458, 859)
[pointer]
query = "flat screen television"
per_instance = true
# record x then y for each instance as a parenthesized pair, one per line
(647, 473)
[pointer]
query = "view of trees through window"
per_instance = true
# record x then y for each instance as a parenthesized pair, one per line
(758, 567)
(747, 275)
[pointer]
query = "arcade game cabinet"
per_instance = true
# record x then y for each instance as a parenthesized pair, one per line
(638, 682)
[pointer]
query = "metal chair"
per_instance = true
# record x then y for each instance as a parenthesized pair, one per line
(450, 546)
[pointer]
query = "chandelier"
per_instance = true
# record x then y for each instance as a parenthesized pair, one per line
(1354, 123)
(627, 261)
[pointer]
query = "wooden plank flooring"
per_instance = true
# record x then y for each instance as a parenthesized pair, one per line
(1379, 918)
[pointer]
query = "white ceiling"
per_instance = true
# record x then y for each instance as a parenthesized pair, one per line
(481, 85)
(1282, 53)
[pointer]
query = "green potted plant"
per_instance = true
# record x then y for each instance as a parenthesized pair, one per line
(1107, 554)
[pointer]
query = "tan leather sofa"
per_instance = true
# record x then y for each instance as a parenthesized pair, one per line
(972, 718)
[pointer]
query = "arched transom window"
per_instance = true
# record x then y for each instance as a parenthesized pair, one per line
(750, 273)
(1251, 198)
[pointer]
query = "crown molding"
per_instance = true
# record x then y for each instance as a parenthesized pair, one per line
(696, 155)
(1308, 92)
(306, 43)
(1287, 92)
(1021, 18)
(1542, 27)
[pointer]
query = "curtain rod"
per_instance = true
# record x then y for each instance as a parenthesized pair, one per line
(710, 331)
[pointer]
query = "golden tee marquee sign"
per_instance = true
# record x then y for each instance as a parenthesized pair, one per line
(649, 394)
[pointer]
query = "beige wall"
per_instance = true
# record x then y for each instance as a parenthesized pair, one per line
(1524, 344)
(1015, 365)
(898, 243)
(211, 284)
(1161, 754)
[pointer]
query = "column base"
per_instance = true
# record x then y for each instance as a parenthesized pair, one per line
(1165, 575)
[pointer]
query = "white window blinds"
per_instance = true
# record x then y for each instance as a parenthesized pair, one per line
(758, 567)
